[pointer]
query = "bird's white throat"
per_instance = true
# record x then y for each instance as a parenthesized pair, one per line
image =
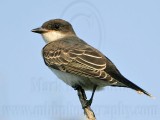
(52, 36)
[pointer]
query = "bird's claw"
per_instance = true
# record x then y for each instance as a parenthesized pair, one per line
(87, 103)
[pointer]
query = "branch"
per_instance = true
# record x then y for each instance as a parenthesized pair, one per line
(83, 99)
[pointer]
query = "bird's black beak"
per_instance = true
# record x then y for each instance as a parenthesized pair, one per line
(39, 30)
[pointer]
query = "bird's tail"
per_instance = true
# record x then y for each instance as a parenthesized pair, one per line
(140, 90)
(130, 84)
(135, 87)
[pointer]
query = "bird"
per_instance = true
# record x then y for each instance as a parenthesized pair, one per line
(76, 62)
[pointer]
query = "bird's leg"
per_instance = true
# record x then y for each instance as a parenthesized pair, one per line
(89, 102)
(81, 92)
(79, 88)
(82, 95)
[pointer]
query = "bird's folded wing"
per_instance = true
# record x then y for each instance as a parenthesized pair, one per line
(80, 59)
(84, 62)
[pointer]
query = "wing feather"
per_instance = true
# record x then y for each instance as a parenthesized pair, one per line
(83, 61)
(78, 59)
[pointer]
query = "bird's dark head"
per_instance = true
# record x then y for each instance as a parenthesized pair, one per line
(55, 29)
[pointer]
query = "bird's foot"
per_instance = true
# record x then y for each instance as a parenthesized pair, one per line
(87, 103)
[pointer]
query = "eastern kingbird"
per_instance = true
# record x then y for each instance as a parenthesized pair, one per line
(76, 62)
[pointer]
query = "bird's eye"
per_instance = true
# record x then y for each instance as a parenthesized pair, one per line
(49, 26)
(56, 26)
